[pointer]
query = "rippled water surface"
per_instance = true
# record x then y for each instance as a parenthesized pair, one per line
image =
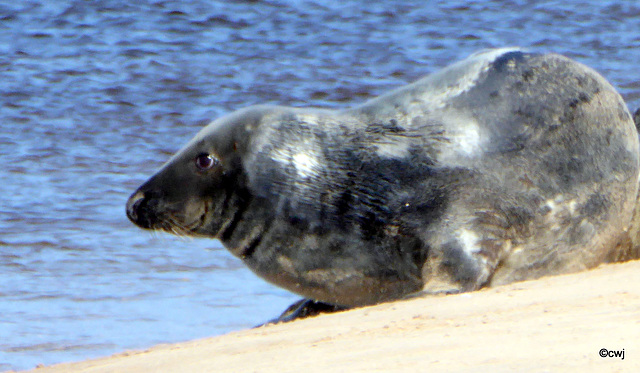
(95, 95)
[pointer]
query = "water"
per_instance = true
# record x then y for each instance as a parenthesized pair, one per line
(95, 95)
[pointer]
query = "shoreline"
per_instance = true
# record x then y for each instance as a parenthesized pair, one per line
(553, 323)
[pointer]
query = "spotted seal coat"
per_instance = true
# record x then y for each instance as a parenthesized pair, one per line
(506, 166)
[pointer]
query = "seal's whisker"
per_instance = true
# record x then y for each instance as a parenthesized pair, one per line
(174, 226)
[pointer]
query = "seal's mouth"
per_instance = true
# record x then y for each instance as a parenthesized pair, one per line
(147, 210)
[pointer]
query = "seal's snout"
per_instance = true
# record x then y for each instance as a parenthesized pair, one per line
(139, 210)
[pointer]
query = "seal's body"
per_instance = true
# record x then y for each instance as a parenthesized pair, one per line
(503, 167)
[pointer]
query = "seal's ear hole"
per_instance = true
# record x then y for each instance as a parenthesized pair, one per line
(205, 161)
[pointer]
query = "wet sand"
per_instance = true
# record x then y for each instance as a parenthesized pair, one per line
(553, 324)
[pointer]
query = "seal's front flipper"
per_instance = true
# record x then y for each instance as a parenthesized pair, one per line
(305, 308)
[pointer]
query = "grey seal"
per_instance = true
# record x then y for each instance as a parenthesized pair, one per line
(506, 166)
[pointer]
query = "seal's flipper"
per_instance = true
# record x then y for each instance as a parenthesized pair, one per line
(304, 308)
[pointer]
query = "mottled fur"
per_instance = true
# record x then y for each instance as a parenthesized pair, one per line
(503, 167)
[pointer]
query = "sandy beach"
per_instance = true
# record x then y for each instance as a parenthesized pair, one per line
(553, 324)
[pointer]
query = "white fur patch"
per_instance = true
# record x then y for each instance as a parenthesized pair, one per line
(469, 241)
(468, 138)
(465, 139)
(305, 163)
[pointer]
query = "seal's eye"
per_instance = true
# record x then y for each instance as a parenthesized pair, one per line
(205, 161)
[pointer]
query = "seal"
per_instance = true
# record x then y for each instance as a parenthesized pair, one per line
(506, 166)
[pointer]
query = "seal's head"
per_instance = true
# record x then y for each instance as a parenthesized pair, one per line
(190, 195)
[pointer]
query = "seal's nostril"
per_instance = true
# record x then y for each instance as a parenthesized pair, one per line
(142, 208)
(133, 207)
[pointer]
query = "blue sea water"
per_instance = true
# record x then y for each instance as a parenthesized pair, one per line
(96, 95)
